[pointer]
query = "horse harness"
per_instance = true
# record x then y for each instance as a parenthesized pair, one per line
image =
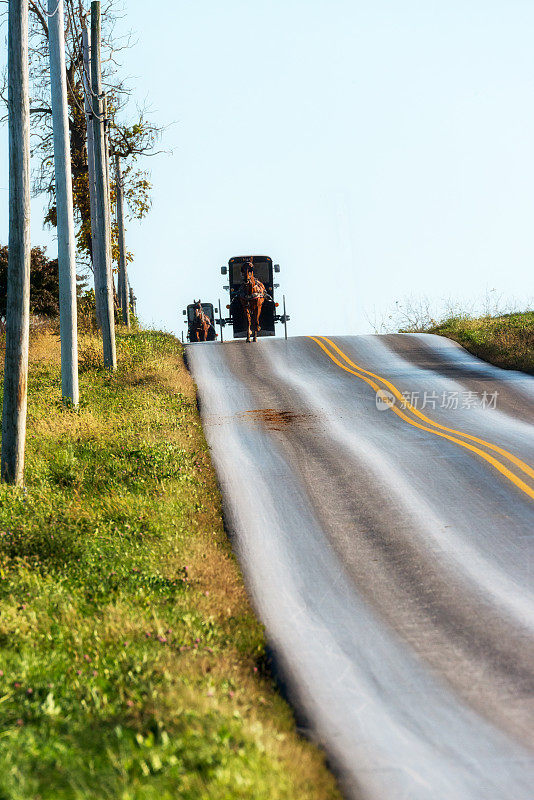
(257, 293)
(201, 317)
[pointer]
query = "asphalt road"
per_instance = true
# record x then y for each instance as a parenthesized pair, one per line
(388, 546)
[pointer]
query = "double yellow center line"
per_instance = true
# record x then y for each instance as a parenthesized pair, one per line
(412, 415)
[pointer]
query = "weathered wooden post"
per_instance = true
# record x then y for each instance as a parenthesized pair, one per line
(101, 191)
(19, 248)
(108, 186)
(123, 270)
(65, 214)
(95, 251)
(133, 303)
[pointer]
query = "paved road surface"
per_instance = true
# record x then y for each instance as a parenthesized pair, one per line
(388, 546)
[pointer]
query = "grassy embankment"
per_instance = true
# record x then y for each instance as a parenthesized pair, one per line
(506, 341)
(131, 665)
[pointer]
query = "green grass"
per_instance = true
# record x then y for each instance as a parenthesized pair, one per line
(506, 340)
(131, 664)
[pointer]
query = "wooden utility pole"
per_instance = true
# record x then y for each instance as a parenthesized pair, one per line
(101, 191)
(133, 303)
(68, 325)
(108, 184)
(95, 251)
(123, 271)
(19, 249)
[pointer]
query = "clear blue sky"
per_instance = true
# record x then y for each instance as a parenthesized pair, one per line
(374, 149)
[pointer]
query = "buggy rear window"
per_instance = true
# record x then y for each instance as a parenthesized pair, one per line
(207, 308)
(261, 272)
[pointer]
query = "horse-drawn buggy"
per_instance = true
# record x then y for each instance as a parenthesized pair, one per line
(200, 320)
(253, 311)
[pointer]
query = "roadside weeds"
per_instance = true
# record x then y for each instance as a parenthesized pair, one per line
(131, 663)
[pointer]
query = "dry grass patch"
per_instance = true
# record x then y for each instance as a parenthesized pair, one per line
(131, 664)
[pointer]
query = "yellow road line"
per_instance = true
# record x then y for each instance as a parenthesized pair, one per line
(514, 459)
(486, 456)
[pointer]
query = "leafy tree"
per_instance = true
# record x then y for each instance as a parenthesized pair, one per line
(131, 139)
(44, 283)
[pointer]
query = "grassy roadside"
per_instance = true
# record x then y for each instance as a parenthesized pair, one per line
(506, 341)
(131, 664)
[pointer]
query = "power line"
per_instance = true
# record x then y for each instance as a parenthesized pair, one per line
(76, 38)
(77, 59)
(78, 106)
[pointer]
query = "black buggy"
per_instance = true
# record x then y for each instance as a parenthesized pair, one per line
(263, 271)
(189, 315)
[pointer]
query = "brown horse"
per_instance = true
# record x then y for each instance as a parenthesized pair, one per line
(200, 325)
(252, 297)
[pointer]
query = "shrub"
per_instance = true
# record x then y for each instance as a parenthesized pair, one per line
(44, 283)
